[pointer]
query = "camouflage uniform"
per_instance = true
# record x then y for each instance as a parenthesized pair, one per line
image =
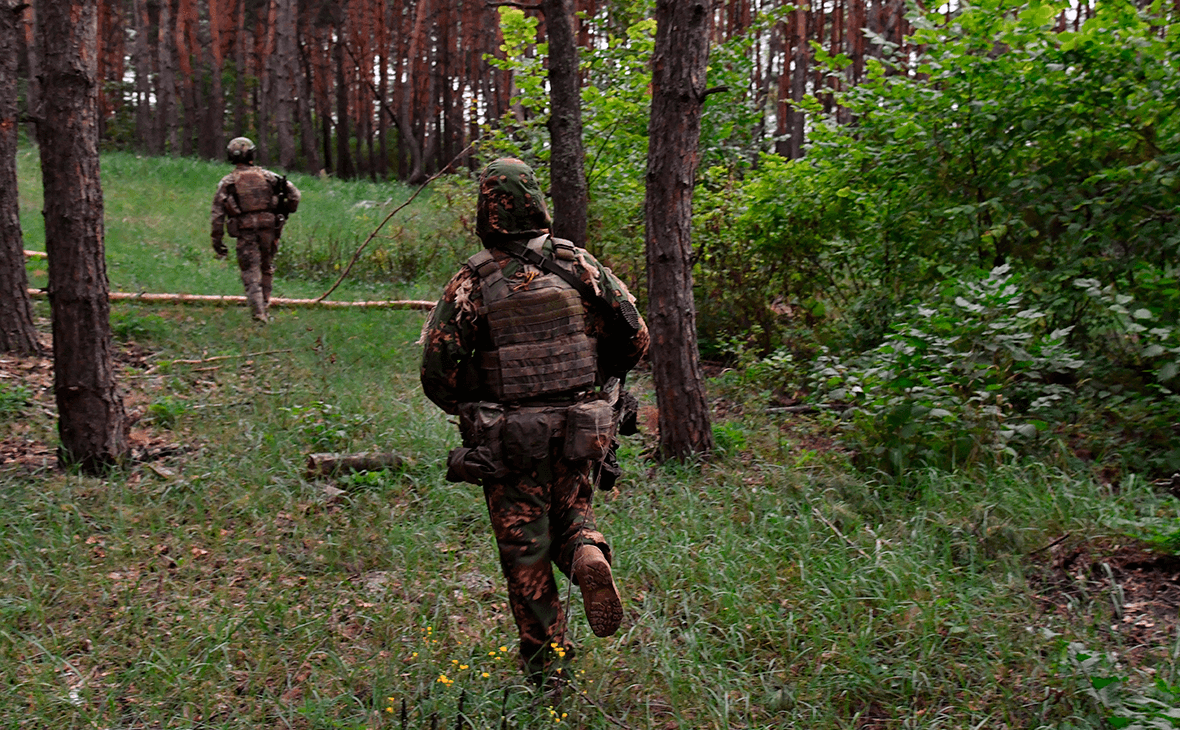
(256, 246)
(540, 515)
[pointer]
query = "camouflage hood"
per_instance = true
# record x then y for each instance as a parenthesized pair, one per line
(511, 205)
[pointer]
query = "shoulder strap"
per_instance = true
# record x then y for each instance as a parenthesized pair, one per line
(491, 279)
(532, 254)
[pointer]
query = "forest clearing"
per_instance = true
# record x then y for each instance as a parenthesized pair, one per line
(908, 449)
(211, 583)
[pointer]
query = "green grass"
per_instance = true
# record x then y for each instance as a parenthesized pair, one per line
(219, 588)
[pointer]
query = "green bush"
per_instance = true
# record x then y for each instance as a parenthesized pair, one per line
(14, 399)
(958, 381)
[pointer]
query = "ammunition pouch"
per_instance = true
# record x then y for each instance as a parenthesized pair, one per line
(528, 431)
(259, 221)
(481, 457)
(590, 426)
(499, 439)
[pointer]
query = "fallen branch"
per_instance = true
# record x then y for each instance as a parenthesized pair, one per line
(328, 465)
(35, 254)
(836, 530)
(230, 300)
(202, 361)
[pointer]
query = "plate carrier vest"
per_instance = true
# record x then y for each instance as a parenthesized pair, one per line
(538, 331)
(253, 191)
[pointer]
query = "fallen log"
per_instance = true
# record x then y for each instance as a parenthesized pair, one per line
(329, 465)
(231, 300)
(35, 254)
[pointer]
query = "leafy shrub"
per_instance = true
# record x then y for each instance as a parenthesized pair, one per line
(132, 325)
(14, 399)
(326, 427)
(960, 381)
(168, 410)
(1104, 681)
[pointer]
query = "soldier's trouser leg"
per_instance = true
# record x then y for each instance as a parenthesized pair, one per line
(250, 263)
(538, 518)
(267, 247)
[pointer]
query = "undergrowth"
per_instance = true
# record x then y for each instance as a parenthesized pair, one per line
(211, 583)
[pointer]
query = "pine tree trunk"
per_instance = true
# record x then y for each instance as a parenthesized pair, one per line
(344, 168)
(91, 421)
(406, 120)
(186, 51)
(212, 134)
(17, 333)
(678, 94)
(169, 130)
(284, 68)
(798, 84)
(565, 124)
(240, 70)
(34, 62)
(141, 61)
(311, 153)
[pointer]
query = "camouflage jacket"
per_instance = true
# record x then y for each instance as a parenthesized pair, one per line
(455, 332)
(218, 214)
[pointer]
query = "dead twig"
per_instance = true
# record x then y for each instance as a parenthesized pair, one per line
(238, 300)
(205, 360)
(592, 702)
(1051, 545)
(839, 534)
(393, 212)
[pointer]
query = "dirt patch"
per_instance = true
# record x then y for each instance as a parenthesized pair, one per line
(28, 428)
(1136, 586)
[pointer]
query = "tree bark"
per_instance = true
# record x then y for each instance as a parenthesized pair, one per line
(34, 62)
(678, 94)
(330, 465)
(212, 121)
(17, 333)
(567, 169)
(415, 145)
(311, 153)
(344, 168)
(802, 53)
(169, 132)
(91, 420)
(187, 48)
(240, 70)
(141, 61)
(283, 72)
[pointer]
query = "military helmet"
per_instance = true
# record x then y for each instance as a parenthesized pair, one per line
(240, 150)
(511, 205)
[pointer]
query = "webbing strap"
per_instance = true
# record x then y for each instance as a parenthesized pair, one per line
(548, 265)
(491, 279)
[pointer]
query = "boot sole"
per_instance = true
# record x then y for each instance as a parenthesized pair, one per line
(604, 608)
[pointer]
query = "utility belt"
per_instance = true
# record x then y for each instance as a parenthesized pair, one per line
(257, 221)
(499, 438)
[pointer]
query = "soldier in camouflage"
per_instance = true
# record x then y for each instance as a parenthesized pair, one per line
(253, 204)
(526, 356)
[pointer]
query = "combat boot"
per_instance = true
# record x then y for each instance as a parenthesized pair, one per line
(256, 301)
(600, 595)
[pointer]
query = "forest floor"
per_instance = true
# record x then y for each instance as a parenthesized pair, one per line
(1143, 585)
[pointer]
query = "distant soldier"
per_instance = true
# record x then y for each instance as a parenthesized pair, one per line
(528, 345)
(252, 204)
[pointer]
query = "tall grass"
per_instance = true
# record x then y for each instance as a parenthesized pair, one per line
(219, 587)
(157, 230)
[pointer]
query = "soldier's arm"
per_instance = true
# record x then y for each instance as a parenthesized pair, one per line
(621, 345)
(217, 221)
(293, 197)
(449, 371)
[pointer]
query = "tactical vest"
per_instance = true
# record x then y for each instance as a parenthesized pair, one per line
(537, 326)
(254, 194)
(252, 202)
